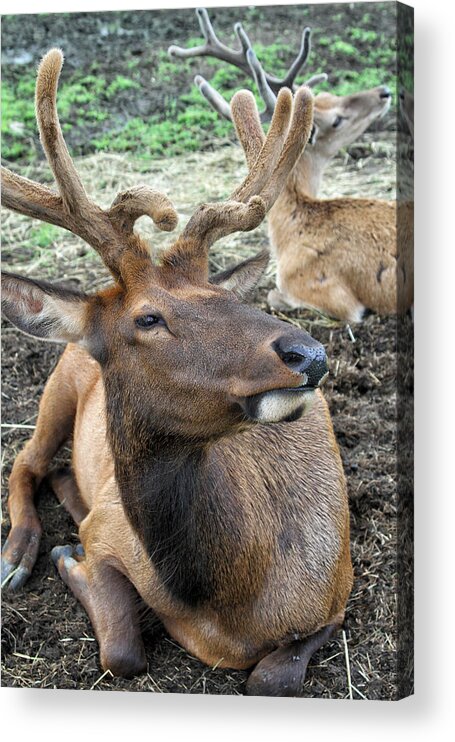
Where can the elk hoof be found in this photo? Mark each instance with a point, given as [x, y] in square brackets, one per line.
[125, 662]
[14, 577]
[61, 552]
[19, 556]
[66, 557]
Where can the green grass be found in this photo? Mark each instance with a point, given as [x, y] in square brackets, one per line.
[44, 235]
[107, 118]
[18, 119]
[362, 35]
[344, 49]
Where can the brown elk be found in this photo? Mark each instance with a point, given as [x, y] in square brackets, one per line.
[338, 255]
[206, 477]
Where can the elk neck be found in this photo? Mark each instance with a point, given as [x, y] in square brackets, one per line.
[179, 500]
[308, 172]
[296, 207]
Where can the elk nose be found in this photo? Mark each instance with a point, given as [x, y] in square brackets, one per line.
[308, 359]
[385, 92]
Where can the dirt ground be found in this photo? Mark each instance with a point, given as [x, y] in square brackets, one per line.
[47, 639]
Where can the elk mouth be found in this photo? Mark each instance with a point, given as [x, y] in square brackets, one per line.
[282, 405]
[279, 405]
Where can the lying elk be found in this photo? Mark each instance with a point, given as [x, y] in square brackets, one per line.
[234, 530]
[338, 255]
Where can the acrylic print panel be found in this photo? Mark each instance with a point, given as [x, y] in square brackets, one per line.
[131, 114]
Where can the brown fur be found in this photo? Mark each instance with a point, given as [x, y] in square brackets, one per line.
[235, 533]
[295, 581]
[347, 268]
[329, 252]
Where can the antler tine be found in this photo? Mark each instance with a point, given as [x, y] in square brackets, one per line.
[206, 27]
[296, 140]
[250, 202]
[26, 196]
[213, 47]
[260, 78]
[316, 79]
[300, 60]
[212, 95]
[242, 36]
[288, 81]
[221, 105]
[269, 84]
[105, 230]
[272, 146]
[248, 126]
[238, 57]
[142, 200]
[68, 181]
[32, 199]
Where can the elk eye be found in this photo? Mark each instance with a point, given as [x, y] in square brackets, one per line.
[337, 121]
[148, 320]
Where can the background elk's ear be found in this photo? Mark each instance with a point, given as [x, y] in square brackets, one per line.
[43, 310]
[243, 278]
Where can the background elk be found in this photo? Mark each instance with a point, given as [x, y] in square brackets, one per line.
[338, 255]
[206, 476]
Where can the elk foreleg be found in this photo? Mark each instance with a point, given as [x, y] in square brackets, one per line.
[66, 490]
[112, 606]
[53, 427]
[282, 672]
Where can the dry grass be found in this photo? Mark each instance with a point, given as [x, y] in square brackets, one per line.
[48, 641]
[188, 180]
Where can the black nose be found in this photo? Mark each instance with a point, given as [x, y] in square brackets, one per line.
[385, 92]
[307, 358]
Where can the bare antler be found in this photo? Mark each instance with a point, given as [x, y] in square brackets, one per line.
[105, 230]
[213, 47]
[270, 160]
[246, 60]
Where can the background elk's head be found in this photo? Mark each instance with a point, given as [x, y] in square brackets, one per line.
[178, 347]
[337, 120]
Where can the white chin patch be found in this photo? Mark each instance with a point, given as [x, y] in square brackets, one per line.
[278, 406]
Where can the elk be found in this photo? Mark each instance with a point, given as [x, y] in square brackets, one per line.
[206, 478]
[337, 255]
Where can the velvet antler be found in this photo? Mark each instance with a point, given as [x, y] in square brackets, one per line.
[108, 231]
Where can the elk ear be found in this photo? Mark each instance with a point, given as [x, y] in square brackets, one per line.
[243, 278]
[40, 309]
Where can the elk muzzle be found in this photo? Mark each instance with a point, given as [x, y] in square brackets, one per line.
[307, 360]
